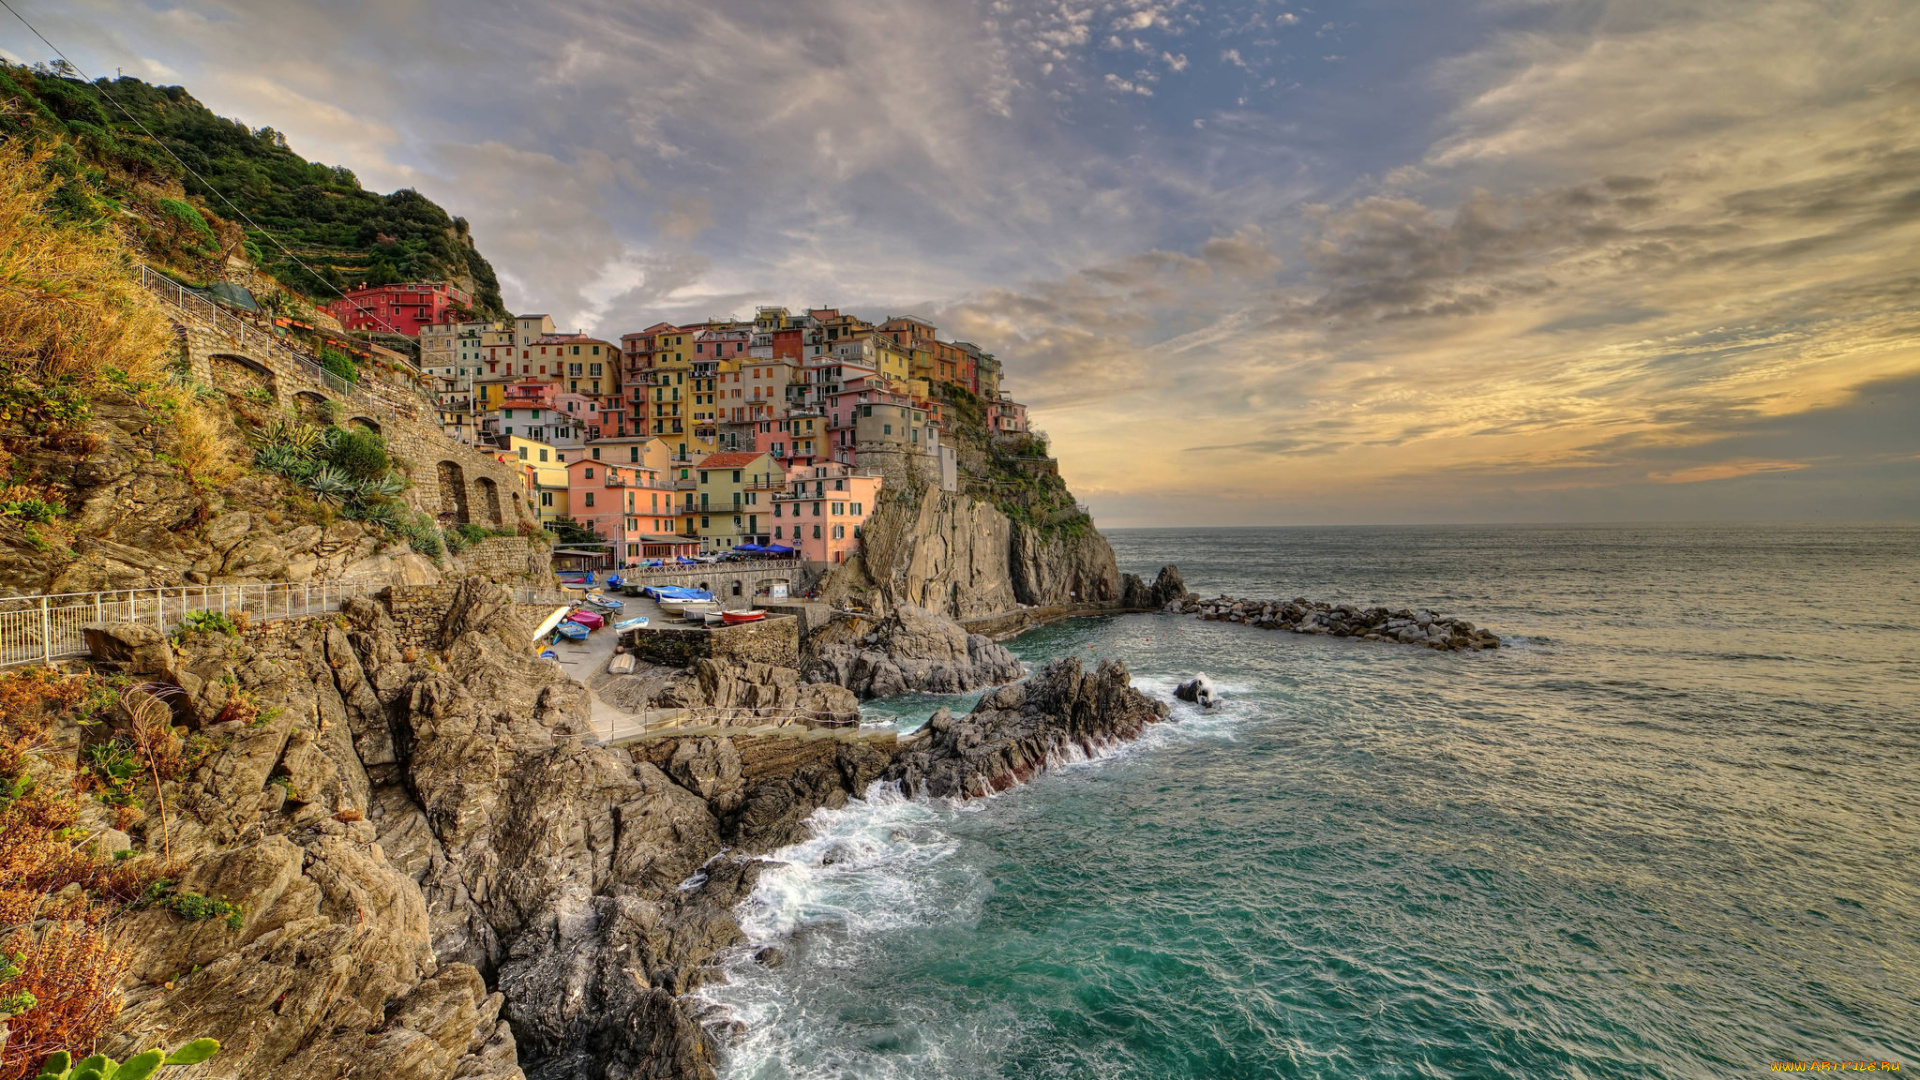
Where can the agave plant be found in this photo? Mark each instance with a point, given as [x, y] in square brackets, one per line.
[385, 487]
[61, 1065]
[379, 513]
[329, 484]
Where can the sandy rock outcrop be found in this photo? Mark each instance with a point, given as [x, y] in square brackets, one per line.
[1062, 712]
[909, 649]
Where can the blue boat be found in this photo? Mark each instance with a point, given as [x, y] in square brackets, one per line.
[631, 624]
[572, 631]
[613, 581]
[607, 602]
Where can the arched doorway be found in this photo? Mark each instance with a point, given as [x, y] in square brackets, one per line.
[489, 499]
[453, 494]
[736, 587]
[312, 407]
[240, 375]
[363, 423]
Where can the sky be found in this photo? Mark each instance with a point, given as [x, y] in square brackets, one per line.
[1250, 262]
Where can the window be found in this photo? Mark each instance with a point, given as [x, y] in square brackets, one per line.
[816, 532]
[839, 509]
[889, 428]
[703, 476]
[633, 453]
[705, 521]
[589, 498]
[856, 511]
[508, 414]
[776, 528]
[589, 472]
[523, 453]
[596, 453]
[736, 476]
[546, 498]
[839, 532]
[543, 455]
[816, 509]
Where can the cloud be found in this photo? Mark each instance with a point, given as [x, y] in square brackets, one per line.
[1503, 260]
[1724, 470]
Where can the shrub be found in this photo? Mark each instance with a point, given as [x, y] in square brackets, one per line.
[362, 455]
[43, 509]
[190, 220]
[339, 363]
[208, 622]
[61, 1066]
[191, 906]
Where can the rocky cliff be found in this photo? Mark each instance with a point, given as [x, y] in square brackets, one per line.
[962, 557]
[402, 829]
[909, 649]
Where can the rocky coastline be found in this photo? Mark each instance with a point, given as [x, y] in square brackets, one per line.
[443, 873]
[1302, 616]
[910, 649]
[1062, 713]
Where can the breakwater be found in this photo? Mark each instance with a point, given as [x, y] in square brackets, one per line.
[1302, 616]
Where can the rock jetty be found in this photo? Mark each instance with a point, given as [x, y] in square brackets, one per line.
[910, 649]
[1303, 616]
[1019, 730]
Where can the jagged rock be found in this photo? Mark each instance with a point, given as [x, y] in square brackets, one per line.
[1167, 587]
[1017, 731]
[1198, 690]
[914, 649]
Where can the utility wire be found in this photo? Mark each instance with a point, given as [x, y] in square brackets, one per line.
[189, 169]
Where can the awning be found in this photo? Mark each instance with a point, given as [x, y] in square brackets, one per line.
[777, 549]
[748, 547]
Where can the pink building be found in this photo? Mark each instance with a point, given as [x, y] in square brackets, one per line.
[1006, 416]
[628, 506]
[823, 511]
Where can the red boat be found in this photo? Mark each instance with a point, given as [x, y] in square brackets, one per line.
[735, 618]
[592, 620]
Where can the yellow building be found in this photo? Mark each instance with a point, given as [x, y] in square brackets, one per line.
[548, 467]
[734, 497]
[893, 360]
[646, 451]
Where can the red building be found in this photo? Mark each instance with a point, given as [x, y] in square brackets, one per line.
[399, 309]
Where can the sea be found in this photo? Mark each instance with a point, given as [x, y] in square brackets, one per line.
[1671, 829]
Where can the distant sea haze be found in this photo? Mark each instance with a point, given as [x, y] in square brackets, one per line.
[1670, 831]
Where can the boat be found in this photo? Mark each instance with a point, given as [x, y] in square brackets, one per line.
[633, 588]
[549, 654]
[621, 664]
[712, 619]
[696, 610]
[575, 577]
[634, 623]
[613, 581]
[735, 618]
[606, 603]
[572, 631]
[592, 620]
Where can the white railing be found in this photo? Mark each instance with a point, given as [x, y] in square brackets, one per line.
[43, 629]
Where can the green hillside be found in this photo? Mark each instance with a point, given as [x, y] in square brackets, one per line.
[347, 234]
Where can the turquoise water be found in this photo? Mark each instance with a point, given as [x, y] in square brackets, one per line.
[1671, 832]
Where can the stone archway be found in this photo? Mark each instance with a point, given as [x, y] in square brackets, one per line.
[312, 407]
[489, 499]
[363, 423]
[242, 375]
[453, 494]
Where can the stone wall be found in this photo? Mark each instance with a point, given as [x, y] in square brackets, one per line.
[774, 640]
[720, 579]
[505, 559]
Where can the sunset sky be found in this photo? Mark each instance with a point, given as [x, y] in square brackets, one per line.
[1250, 263]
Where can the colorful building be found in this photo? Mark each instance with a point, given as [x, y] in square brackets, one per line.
[401, 308]
[546, 467]
[824, 510]
[734, 496]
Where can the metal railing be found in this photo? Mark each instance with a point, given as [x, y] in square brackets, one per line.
[43, 629]
[250, 335]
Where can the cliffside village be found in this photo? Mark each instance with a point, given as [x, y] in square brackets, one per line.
[774, 434]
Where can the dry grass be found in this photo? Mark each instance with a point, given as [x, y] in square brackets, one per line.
[207, 450]
[57, 896]
[68, 309]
